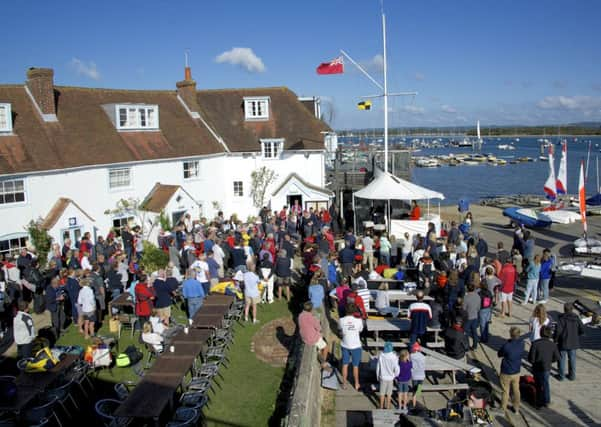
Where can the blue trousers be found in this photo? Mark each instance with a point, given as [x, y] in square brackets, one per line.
[571, 356]
[541, 378]
[484, 317]
[471, 329]
[194, 304]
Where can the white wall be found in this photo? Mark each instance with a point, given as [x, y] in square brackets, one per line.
[89, 187]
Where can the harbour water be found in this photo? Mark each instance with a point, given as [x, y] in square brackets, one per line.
[478, 181]
[474, 182]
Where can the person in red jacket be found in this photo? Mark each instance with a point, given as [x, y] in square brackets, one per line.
[144, 297]
[353, 298]
[415, 213]
[509, 278]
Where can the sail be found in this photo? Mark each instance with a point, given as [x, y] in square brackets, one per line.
[582, 197]
[550, 183]
[478, 130]
[562, 175]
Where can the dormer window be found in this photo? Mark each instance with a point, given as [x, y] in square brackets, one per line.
[256, 108]
[136, 117]
[272, 148]
[6, 121]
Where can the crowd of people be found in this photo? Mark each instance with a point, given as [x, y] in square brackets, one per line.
[467, 285]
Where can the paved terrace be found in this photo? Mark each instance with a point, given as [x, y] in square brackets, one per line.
[573, 403]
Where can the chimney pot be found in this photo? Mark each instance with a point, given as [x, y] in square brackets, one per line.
[40, 82]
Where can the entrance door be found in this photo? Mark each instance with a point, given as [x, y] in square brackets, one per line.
[177, 217]
[290, 200]
[73, 233]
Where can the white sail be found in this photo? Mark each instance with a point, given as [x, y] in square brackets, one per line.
[478, 130]
[549, 187]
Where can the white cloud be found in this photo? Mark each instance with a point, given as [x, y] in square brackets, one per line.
[85, 69]
[244, 57]
[374, 64]
[448, 109]
[579, 103]
[412, 109]
[419, 76]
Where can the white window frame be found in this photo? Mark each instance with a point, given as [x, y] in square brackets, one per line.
[8, 128]
[195, 168]
[10, 238]
[256, 108]
[271, 145]
[239, 192]
[3, 192]
[123, 220]
[120, 187]
[136, 117]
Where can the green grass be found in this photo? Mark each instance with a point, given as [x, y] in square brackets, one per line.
[247, 393]
[246, 396]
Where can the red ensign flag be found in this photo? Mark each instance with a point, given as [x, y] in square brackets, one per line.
[335, 66]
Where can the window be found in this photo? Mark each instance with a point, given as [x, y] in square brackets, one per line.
[119, 223]
[12, 246]
[191, 169]
[12, 191]
[256, 108]
[120, 178]
[238, 189]
[6, 120]
[138, 117]
[272, 148]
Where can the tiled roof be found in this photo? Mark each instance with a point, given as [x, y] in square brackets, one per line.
[57, 210]
[158, 197]
[288, 119]
[84, 134]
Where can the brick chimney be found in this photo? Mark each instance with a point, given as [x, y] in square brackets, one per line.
[186, 90]
[40, 82]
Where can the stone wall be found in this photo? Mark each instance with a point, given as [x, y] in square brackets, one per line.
[304, 407]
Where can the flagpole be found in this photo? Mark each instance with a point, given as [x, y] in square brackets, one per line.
[385, 96]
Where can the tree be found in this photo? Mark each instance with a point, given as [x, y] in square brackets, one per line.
[153, 258]
[41, 240]
[132, 207]
[261, 179]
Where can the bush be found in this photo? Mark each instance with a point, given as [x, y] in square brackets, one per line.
[153, 258]
[40, 239]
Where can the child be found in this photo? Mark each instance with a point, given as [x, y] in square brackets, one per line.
[387, 370]
[418, 371]
[152, 338]
[403, 379]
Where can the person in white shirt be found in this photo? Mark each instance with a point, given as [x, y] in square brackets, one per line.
[539, 319]
[251, 292]
[218, 255]
[23, 330]
[201, 268]
[152, 338]
[351, 327]
[175, 273]
[387, 370]
[85, 262]
[87, 307]
[418, 371]
[368, 251]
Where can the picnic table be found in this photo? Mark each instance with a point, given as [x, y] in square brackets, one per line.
[219, 309]
[201, 320]
[218, 299]
[394, 325]
[24, 395]
[155, 392]
[401, 296]
[374, 284]
[122, 301]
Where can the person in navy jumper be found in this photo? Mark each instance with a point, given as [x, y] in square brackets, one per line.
[420, 315]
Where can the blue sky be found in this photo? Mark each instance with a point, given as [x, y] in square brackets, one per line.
[504, 62]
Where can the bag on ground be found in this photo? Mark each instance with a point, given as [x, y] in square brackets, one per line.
[129, 357]
[42, 361]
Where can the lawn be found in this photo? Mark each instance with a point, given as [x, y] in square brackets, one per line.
[247, 393]
[246, 396]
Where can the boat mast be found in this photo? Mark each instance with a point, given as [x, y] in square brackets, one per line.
[385, 95]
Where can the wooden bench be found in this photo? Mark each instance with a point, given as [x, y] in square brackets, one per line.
[435, 344]
[444, 387]
[372, 343]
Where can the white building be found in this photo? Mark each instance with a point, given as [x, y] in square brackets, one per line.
[68, 155]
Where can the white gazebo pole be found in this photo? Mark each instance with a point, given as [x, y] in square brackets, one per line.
[354, 216]
[389, 223]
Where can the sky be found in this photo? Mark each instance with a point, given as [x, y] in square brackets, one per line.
[500, 62]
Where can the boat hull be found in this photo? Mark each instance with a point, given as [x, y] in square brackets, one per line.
[527, 217]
